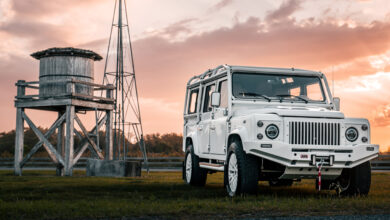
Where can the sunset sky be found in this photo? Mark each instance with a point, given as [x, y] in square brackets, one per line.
[175, 39]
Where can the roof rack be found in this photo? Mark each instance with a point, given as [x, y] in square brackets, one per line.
[209, 73]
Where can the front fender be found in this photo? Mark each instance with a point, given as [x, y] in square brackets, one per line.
[242, 132]
[194, 138]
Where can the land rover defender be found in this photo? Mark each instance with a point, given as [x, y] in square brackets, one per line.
[276, 125]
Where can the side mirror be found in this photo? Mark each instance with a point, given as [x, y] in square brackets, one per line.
[336, 103]
[215, 99]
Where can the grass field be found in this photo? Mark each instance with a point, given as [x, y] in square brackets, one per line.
[39, 195]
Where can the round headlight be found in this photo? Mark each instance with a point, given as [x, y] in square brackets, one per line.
[259, 136]
[364, 127]
[260, 124]
[351, 134]
[272, 131]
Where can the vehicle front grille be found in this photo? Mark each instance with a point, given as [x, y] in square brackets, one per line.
[314, 133]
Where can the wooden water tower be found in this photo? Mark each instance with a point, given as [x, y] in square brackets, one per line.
[66, 85]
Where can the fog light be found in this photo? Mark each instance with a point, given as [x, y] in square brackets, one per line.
[259, 136]
[364, 127]
[260, 124]
[364, 139]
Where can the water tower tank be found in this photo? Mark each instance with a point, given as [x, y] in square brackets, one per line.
[61, 64]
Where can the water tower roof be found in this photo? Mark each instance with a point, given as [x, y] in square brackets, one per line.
[68, 51]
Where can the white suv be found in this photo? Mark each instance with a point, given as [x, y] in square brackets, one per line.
[272, 124]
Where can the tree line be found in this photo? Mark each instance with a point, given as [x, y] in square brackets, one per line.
[157, 145]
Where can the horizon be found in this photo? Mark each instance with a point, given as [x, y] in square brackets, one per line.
[173, 40]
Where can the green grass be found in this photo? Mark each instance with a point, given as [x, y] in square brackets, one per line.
[40, 195]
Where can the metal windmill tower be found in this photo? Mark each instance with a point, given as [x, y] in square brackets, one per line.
[119, 71]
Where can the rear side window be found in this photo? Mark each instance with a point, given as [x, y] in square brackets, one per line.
[207, 102]
[193, 101]
[224, 94]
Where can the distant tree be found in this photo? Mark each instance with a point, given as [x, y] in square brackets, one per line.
[169, 144]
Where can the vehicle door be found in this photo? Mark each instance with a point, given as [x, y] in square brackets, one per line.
[218, 127]
[204, 124]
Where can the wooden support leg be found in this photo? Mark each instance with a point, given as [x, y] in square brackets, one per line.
[109, 137]
[60, 145]
[69, 142]
[19, 141]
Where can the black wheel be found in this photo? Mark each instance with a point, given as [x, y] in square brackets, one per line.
[241, 171]
[355, 181]
[193, 174]
[283, 182]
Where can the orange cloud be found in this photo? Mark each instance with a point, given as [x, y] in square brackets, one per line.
[164, 64]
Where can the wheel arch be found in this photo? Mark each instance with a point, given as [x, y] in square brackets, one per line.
[191, 139]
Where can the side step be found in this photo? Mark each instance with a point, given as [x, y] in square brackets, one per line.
[211, 166]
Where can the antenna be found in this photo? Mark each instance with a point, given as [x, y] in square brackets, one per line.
[332, 82]
[119, 70]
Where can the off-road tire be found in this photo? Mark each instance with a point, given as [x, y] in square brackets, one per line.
[248, 171]
[198, 175]
[279, 183]
[359, 180]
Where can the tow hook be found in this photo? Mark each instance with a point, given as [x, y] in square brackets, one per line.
[319, 167]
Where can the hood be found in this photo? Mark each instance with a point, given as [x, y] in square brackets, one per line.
[290, 111]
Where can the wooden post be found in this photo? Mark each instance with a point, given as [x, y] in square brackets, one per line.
[109, 134]
[60, 144]
[69, 142]
[19, 132]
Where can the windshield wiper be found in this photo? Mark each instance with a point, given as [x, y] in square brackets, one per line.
[255, 95]
[294, 96]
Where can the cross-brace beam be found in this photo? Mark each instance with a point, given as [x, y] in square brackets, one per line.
[87, 141]
[36, 147]
[90, 141]
[84, 142]
[53, 154]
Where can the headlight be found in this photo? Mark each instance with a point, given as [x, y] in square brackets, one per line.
[351, 134]
[272, 131]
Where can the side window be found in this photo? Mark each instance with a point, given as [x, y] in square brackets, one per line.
[223, 89]
[207, 101]
[193, 101]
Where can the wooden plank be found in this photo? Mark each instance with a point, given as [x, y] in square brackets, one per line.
[51, 130]
[93, 84]
[109, 133]
[24, 83]
[42, 102]
[27, 96]
[61, 142]
[92, 105]
[69, 142]
[98, 98]
[84, 141]
[53, 154]
[62, 102]
[19, 142]
[78, 134]
[89, 140]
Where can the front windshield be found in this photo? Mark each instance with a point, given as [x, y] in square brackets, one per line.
[278, 87]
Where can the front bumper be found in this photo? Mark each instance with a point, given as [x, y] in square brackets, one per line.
[298, 158]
